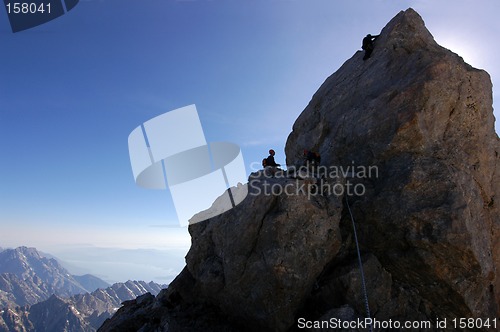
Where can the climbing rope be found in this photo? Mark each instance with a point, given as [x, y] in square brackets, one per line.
[363, 283]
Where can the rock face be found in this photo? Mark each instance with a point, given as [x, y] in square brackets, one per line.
[420, 121]
[262, 272]
[424, 118]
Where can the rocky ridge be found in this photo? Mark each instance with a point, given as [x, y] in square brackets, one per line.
[428, 219]
[38, 294]
[28, 277]
[81, 312]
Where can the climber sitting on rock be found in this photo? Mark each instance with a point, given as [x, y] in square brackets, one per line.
[269, 164]
[368, 45]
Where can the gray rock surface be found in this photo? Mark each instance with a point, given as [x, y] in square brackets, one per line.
[255, 257]
[428, 219]
[424, 117]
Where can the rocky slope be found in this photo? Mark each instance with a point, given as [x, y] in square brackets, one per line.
[410, 132]
[82, 312]
[38, 294]
[28, 277]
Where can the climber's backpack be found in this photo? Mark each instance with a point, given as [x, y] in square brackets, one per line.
[264, 162]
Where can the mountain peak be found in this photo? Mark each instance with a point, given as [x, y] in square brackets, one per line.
[29, 277]
[406, 31]
[22, 252]
[37, 297]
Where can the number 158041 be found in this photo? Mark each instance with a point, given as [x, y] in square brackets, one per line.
[27, 8]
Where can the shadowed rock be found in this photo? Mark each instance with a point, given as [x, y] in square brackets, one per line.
[424, 117]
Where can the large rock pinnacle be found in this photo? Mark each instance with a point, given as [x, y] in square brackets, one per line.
[424, 117]
[428, 218]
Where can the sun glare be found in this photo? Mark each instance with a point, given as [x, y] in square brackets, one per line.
[469, 52]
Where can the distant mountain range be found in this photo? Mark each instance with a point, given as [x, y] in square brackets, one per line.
[38, 294]
[82, 312]
[27, 277]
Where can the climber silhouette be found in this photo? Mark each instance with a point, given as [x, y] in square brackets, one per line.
[270, 165]
[368, 45]
[270, 160]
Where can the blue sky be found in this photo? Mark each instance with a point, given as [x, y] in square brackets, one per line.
[73, 89]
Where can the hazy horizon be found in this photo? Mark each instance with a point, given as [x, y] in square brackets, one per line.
[111, 264]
